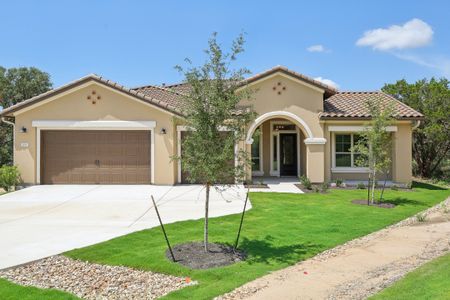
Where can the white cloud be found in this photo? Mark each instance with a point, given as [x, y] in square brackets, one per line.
[441, 64]
[327, 82]
[413, 34]
[317, 48]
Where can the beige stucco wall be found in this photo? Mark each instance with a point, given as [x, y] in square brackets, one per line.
[401, 169]
[285, 94]
[402, 157]
[112, 106]
[296, 97]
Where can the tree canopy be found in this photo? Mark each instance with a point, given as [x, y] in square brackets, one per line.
[216, 122]
[16, 85]
[431, 142]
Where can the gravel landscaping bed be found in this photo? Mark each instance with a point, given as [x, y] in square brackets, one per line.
[94, 281]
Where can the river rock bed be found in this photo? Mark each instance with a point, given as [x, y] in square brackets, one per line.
[94, 281]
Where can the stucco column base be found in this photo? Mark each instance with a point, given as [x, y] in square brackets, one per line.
[315, 166]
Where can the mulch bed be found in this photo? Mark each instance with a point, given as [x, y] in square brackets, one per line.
[377, 204]
[193, 255]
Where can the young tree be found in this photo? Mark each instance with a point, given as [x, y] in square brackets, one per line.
[16, 85]
[375, 144]
[211, 107]
[431, 143]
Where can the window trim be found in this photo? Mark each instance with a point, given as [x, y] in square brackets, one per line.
[351, 169]
[259, 171]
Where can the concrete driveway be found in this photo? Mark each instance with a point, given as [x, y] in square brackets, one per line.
[41, 221]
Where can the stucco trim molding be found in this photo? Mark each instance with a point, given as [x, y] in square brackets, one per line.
[93, 125]
[97, 125]
[315, 141]
[339, 128]
[274, 114]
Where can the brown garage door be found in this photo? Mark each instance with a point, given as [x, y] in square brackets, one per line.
[95, 157]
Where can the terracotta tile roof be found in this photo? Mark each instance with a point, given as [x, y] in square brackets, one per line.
[167, 95]
[337, 105]
[161, 103]
[352, 105]
[182, 88]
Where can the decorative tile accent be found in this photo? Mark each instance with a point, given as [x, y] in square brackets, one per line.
[93, 97]
[279, 88]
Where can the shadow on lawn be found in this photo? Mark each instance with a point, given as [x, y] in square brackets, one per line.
[264, 251]
[403, 201]
[427, 186]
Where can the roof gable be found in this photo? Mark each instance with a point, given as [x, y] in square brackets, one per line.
[54, 93]
[328, 90]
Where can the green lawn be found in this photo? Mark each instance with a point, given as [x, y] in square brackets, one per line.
[431, 281]
[11, 291]
[279, 231]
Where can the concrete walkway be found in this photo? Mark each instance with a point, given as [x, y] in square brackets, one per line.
[278, 185]
[41, 221]
[359, 268]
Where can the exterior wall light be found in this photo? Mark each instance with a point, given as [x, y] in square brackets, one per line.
[23, 129]
[163, 131]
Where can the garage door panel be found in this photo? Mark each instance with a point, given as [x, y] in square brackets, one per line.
[104, 157]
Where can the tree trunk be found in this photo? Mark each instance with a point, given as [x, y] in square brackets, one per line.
[384, 186]
[368, 189]
[205, 237]
[374, 181]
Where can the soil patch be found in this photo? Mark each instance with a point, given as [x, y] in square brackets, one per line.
[193, 255]
[377, 204]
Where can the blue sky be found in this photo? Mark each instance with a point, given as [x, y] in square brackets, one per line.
[351, 43]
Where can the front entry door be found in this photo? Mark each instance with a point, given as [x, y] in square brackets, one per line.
[288, 154]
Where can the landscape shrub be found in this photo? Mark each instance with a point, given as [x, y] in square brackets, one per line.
[361, 186]
[9, 177]
[305, 182]
[324, 187]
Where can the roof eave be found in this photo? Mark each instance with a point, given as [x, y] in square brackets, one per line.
[92, 77]
[347, 118]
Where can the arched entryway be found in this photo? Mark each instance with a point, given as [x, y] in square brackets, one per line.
[278, 143]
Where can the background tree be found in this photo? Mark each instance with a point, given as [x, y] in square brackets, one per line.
[431, 142]
[16, 85]
[374, 146]
[216, 90]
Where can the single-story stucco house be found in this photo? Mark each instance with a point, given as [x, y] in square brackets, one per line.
[94, 131]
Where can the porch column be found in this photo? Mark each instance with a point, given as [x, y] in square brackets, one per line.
[315, 157]
[402, 154]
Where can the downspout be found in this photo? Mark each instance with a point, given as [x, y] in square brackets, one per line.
[416, 126]
[4, 120]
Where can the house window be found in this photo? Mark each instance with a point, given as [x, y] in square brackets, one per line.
[256, 151]
[344, 156]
